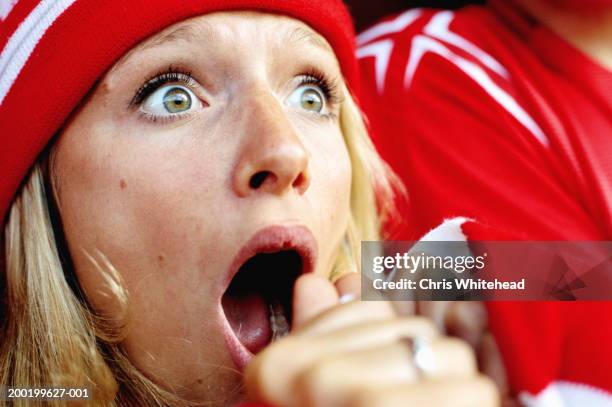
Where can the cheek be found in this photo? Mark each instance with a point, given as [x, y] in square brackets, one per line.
[155, 208]
[146, 204]
[339, 176]
[331, 183]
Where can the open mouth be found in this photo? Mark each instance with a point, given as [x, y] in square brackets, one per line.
[257, 303]
[257, 300]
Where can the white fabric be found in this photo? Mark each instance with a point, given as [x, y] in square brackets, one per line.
[448, 231]
[438, 28]
[5, 8]
[24, 40]
[567, 394]
[422, 44]
[399, 23]
[381, 51]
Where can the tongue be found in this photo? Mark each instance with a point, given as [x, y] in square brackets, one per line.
[249, 319]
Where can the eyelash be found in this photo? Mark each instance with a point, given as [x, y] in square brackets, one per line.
[171, 75]
[314, 77]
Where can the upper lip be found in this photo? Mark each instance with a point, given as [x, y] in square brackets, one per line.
[274, 239]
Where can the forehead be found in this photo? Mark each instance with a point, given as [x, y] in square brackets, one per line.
[242, 25]
[225, 31]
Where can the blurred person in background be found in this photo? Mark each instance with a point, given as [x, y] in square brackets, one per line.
[502, 113]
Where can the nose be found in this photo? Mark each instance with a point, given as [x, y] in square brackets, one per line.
[272, 158]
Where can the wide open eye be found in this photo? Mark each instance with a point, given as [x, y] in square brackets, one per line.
[309, 98]
[170, 100]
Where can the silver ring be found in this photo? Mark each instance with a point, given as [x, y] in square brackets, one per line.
[423, 358]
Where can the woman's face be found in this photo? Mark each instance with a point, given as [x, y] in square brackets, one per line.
[211, 142]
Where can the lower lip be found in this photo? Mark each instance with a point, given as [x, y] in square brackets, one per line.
[239, 354]
[264, 240]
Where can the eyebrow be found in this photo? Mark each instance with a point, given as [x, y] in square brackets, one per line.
[184, 32]
[301, 34]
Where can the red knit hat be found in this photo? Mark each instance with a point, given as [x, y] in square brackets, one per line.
[53, 51]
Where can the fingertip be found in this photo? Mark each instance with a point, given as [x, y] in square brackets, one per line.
[312, 295]
[349, 285]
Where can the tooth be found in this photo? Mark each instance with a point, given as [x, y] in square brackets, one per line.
[278, 321]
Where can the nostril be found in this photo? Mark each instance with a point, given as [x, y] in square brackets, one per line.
[299, 181]
[259, 178]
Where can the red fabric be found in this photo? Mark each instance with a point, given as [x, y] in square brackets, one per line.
[461, 151]
[89, 37]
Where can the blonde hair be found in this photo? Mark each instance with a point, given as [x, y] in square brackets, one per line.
[52, 337]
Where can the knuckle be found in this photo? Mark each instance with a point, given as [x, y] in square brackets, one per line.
[261, 374]
[380, 309]
[318, 383]
[461, 352]
[488, 390]
[317, 375]
[459, 346]
[420, 326]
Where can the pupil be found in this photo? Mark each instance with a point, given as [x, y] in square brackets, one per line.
[312, 100]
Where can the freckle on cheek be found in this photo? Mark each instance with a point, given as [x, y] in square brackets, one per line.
[161, 258]
[123, 184]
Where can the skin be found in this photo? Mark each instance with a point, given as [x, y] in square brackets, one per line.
[588, 27]
[169, 202]
[585, 25]
[357, 354]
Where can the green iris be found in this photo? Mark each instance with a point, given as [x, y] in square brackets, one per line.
[177, 100]
[311, 100]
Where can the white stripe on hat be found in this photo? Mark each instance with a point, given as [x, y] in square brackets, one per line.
[5, 8]
[23, 41]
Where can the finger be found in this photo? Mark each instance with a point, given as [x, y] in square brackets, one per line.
[444, 357]
[349, 286]
[466, 320]
[404, 308]
[464, 392]
[297, 353]
[329, 380]
[492, 365]
[312, 294]
[344, 315]
[436, 311]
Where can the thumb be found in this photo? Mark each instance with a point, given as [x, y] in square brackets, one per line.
[312, 295]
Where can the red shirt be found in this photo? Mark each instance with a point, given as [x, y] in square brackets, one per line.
[486, 114]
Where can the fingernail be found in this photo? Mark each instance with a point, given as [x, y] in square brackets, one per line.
[347, 298]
